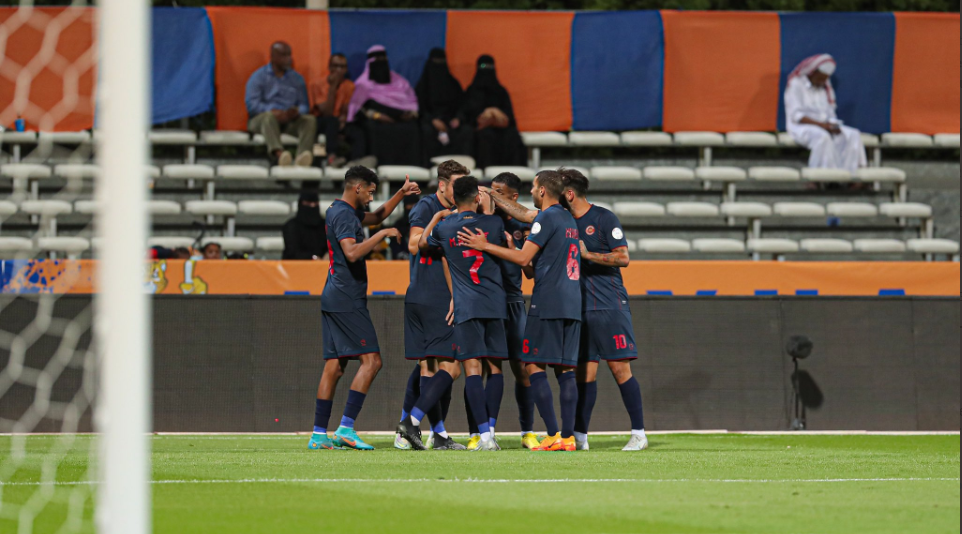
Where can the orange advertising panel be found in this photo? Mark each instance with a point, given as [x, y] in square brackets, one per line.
[925, 77]
[721, 71]
[242, 41]
[48, 67]
[532, 54]
[746, 278]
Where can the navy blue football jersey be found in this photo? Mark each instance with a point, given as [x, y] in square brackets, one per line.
[511, 272]
[346, 285]
[602, 287]
[557, 266]
[427, 285]
[475, 276]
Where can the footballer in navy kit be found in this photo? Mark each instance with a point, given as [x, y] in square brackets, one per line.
[553, 329]
[606, 324]
[347, 329]
[427, 334]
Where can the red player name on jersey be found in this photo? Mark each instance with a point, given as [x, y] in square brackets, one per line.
[455, 242]
[571, 233]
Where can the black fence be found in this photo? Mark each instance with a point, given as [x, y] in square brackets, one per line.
[242, 364]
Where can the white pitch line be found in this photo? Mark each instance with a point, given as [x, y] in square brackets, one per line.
[501, 481]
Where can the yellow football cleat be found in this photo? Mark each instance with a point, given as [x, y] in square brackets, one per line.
[550, 443]
[529, 440]
[568, 444]
[473, 441]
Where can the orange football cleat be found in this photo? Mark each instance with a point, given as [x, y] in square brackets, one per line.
[550, 443]
[568, 444]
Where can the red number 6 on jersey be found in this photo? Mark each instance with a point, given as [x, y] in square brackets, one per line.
[574, 265]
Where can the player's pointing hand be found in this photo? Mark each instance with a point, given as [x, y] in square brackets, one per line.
[409, 187]
[470, 239]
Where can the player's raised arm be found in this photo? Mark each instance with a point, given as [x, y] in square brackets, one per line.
[511, 207]
[478, 241]
[379, 215]
[425, 235]
[616, 258]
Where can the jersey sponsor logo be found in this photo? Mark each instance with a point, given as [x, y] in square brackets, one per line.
[617, 233]
[535, 228]
[590, 230]
[518, 235]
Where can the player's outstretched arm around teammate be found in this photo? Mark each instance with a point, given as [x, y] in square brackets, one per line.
[476, 240]
[511, 207]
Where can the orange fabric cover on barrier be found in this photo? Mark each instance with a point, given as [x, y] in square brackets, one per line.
[532, 54]
[721, 71]
[242, 41]
[60, 95]
[925, 77]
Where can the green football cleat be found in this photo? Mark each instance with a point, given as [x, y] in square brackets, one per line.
[347, 437]
[322, 442]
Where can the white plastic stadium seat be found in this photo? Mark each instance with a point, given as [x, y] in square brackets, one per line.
[745, 209]
[798, 209]
[905, 209]
[718, 245]
[163, 207]
[593, 139]
[463, 159]
[15, 137]
[946, 140]
[64, 138]
[786, 139]
[73, 247]
[932, 246]
[182, 171]
[720, 174]
[541, 139]
[7, 209]
[14, 245]
[638, 209]
[826, 175]
[396, 173]
[878, 245]
[880, 174]
[20, 171]
[270, 244]
[672, 174]
[168, 241]
[772, 245]
[851, 209]
[263, 207]
[869, 140]
[692, 209]
[831, 246]
[230, 244]
[616, 173]
[286, 139]
[582, 170]
[335, 173]
[664, 245]
[646, 139]
[242, 172]
[211, 207]
[699, 138]
[526, 174]
[77, 171]
[225, 137]
[631, 245]
[296, 173]
[172, 137]
[86, 207]
[906, 140]
[774, 174]
[751, 139]
[49, 208]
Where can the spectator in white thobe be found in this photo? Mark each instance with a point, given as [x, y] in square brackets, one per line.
[810, 114]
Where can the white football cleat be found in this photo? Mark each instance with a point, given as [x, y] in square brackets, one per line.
[636, 443]
[401, 443]
[581, 445]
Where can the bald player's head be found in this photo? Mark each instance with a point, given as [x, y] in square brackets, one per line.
[281, 60]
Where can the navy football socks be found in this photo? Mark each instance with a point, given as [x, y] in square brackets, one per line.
[411, 392]
[541, 392]
[322, 414]
[587, 395]
[493, 392]
[445, 403]
[472, 424]
[474, 390]
[631, 396]
[569, 403]
[355, 401]
[525, 401]
[430, 394]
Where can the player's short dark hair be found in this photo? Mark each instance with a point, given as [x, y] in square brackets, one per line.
[551, 181]
[465, 189]
[360, 173]
[573, 179]
[449, 168]
[509, 179]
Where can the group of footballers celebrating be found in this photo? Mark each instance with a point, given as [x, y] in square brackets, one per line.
[464, 309]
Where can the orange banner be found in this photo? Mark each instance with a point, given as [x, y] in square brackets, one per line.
[48, 67]
[925, 89]
[238, 277]
[532, 55]
[242, 41]
[721, 71]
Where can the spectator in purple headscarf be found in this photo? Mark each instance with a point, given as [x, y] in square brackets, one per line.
[382, 114]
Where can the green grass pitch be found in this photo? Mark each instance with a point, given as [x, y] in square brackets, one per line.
[683, 483]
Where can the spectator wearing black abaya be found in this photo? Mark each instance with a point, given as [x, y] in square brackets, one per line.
[487, 107]
[304, 235]
[440, 97]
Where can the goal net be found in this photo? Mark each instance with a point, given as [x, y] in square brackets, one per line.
[74, 338]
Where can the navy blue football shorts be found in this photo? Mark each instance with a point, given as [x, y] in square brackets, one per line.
[348, 334]
[607, 335]
[427, 333]
[551, 341]
[481, 338]
[514, 328]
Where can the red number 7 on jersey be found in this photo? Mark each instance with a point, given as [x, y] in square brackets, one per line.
[476, 266]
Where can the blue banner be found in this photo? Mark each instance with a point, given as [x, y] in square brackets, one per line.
[863, 45]
[617, 64]
[408, 36]
[182, 63]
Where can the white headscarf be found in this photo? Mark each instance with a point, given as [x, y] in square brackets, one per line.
[821, 62]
